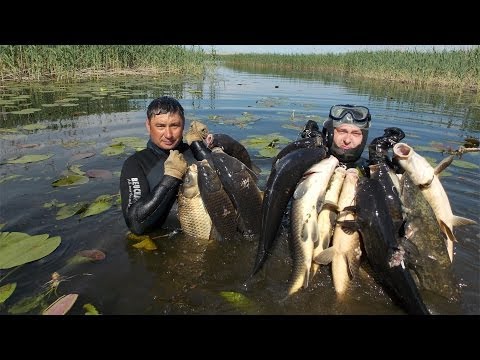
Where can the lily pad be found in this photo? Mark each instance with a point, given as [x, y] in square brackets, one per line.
[29, 159]
[146, 244]
[102, 203]
[82, 156]
[62, 305]
[113, 150]
[27, 304]
[70, 180]
[18, 248]
[6, 291]
[72, 209]
[8, 177]
[90, 309]
[239, 301]
[99, 173]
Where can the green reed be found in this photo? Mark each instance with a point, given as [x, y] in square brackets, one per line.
[70, 62]
[458, 69]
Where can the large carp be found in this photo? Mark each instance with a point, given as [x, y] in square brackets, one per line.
[310, 142]
[424, 176]
[192, 214]
[432, 263]
[307, 200]
[281, 184]
[384, 249]
[345, 252]
[239, 183]
[217, 202]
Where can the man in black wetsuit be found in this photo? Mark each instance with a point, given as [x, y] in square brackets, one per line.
[150, 178]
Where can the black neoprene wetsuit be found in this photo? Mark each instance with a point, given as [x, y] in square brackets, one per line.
[147, 194]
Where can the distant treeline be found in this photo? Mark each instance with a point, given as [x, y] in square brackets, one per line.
[458, 69]
[69, 62]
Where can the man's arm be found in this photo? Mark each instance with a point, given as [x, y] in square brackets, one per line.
[143, 209]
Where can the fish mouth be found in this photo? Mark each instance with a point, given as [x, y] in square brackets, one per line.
[402, 150]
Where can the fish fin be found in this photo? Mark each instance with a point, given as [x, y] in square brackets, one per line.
[325, 257]
[442, 165]
[410, 248]
[352, 209]
[306, 279]
[459, 220]
[329, 205]
[350, 270]
[348, 226]
[447, 231]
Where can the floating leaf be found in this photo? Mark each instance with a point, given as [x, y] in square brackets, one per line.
[464, 164]
[146, 244]
[27, 304]
[13, 137]
[102, 203]
[92, 254]
[72, 209]
[70, 180]
[29, 159]
[268, 152]
[76, 169]
[99, 173]
[8, 177]
[130, 141]
[62, 305]
[90, 309]
[28, 146]
[82, 156]
[6, 291]
[239, 301]
[113, 150]
[18, 248]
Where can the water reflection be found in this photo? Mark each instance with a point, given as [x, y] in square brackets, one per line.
[184, 276]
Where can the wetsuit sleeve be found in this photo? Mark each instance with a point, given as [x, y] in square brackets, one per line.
[200, 150]
[143, 209]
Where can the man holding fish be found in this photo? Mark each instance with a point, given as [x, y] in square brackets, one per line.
[150, 178]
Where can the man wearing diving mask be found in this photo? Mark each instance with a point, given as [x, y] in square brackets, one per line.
[345, 133]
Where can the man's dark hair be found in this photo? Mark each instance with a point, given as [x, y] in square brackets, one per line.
[165, 105]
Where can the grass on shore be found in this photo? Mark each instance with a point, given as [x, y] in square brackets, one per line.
[459, 69]
[73, 62]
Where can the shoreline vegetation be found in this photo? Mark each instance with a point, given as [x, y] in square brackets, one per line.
[458, 70]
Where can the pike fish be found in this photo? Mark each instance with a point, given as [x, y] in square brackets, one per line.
[239, 183]
[217, 202]
[432, 265]
[192, 214]
[384, 249]
[280, 186]
[426, 177]
[308, 198]
[345, 252]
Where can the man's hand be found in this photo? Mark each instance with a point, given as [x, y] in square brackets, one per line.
[197, 132]
[175, 165]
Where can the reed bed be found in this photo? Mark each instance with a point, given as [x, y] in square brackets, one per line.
[458, 69]
[72, 62]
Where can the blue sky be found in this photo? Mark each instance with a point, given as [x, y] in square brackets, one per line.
[319, 49]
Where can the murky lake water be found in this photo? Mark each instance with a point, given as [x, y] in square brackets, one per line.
[184, 276]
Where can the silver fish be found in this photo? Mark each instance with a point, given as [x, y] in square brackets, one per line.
[307, 200]
[424, 176]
